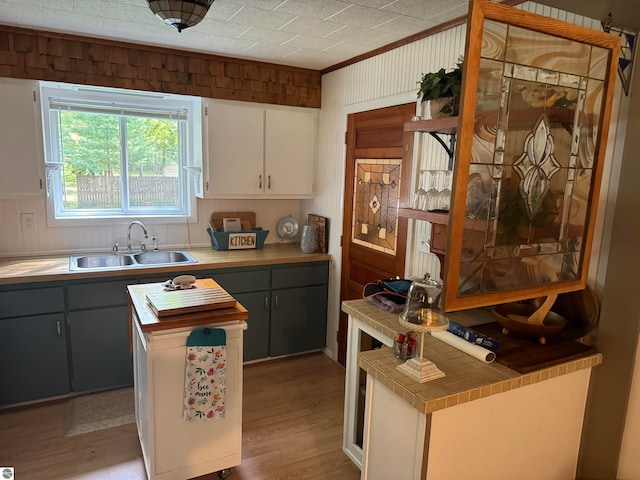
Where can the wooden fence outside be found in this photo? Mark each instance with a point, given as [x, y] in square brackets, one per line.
[104, 191]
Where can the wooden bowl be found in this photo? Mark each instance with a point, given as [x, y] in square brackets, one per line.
[513, 318]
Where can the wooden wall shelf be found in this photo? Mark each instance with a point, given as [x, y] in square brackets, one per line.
[448, 125]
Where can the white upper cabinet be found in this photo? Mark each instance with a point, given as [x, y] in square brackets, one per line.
[258, 151]
[290, 152]
[21, 160]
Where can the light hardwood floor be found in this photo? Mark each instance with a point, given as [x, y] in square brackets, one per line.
[292, 429]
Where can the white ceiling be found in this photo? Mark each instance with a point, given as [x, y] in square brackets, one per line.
[312, 34]
[305, 33]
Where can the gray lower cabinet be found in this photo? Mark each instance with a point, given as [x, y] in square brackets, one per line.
[287, 307]
[33, 345]
[99, 335]
[298, 320]
[256, 337]
[100, 356]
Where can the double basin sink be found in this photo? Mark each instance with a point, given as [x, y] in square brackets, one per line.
[128, 260]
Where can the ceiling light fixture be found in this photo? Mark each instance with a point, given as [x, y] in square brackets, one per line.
[180, 13]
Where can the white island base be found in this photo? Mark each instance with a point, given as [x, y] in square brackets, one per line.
[532, 432]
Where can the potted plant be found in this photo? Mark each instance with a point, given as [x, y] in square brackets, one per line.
[442, 90]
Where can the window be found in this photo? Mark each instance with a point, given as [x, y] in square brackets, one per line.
[119, 153]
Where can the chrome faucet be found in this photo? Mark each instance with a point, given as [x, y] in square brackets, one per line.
[143, 247]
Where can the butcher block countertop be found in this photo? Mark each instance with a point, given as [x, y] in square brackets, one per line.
[149, 322]
[54, 268]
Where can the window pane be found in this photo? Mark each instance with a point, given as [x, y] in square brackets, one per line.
[153, 162]
[90, 150]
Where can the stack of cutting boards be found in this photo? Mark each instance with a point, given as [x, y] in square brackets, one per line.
[206, 303]
[179, 302]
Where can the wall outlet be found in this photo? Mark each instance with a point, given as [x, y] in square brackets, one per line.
[28, 222]
[423, 243]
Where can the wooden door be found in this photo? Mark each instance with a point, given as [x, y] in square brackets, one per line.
[373, 235]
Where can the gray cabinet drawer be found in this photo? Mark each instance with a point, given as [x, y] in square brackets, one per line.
[99, 294]
[240, 282]
[19, 303]
[300, 276]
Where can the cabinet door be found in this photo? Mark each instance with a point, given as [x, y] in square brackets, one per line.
[33, 358]
[290, 152]
[256, 336]
[298, 319]
[236, 150]
[21, 140]
[100, 355]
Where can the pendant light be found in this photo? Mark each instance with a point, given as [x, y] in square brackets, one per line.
[180, 13]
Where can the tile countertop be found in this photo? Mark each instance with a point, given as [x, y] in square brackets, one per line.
[466, 380]
[52, 268]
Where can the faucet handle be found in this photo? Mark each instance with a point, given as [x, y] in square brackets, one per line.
[114, 249]
[155, 243]
[143, 247]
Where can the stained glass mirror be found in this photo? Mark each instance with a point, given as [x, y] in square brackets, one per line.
[535, 110]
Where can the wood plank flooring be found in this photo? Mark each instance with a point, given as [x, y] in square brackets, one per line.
[292, 429]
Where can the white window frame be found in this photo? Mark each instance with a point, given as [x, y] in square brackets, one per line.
[191, 149]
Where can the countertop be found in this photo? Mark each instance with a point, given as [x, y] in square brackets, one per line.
[466, 380]
[53, 268]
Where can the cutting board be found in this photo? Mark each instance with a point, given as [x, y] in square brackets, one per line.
[247, 220]
[178, 302]
[525, 354]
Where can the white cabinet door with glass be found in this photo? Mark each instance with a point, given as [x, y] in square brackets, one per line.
[258, 151]
[20, 138]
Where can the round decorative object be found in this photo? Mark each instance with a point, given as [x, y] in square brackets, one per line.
[180, 13]
[287, 228]
[309, 239]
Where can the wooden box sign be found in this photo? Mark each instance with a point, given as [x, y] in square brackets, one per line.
[239, 241]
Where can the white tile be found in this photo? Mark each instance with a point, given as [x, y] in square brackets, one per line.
[313, 8]
[264, 18]
[372, 3]
[274, 37]
[13, 13]
[405, 26]
[421, 8]
[311, 26]
[263, 4]
[222, 11]
[224, 29]
[311, 43]
[354, 35]
[364, 17]
[264, 50]
[228, 45]
[455, 12]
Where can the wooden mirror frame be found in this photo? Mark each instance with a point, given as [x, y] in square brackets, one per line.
[479, 11]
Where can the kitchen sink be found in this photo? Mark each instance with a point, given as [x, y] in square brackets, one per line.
[163, 257]
[129, 260]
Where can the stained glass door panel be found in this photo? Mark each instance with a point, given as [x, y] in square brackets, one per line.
[530, 166]
[375, 204]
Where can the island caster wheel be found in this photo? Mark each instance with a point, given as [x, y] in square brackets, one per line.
[223, 473]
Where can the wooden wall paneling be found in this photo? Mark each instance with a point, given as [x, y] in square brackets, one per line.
[40, 55]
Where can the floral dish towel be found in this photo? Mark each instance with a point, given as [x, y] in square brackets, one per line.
[205, 381]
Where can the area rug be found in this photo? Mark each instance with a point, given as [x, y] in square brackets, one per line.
[97, 411]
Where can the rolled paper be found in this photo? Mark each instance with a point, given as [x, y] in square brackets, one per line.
[476, 351]
[470, 335]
